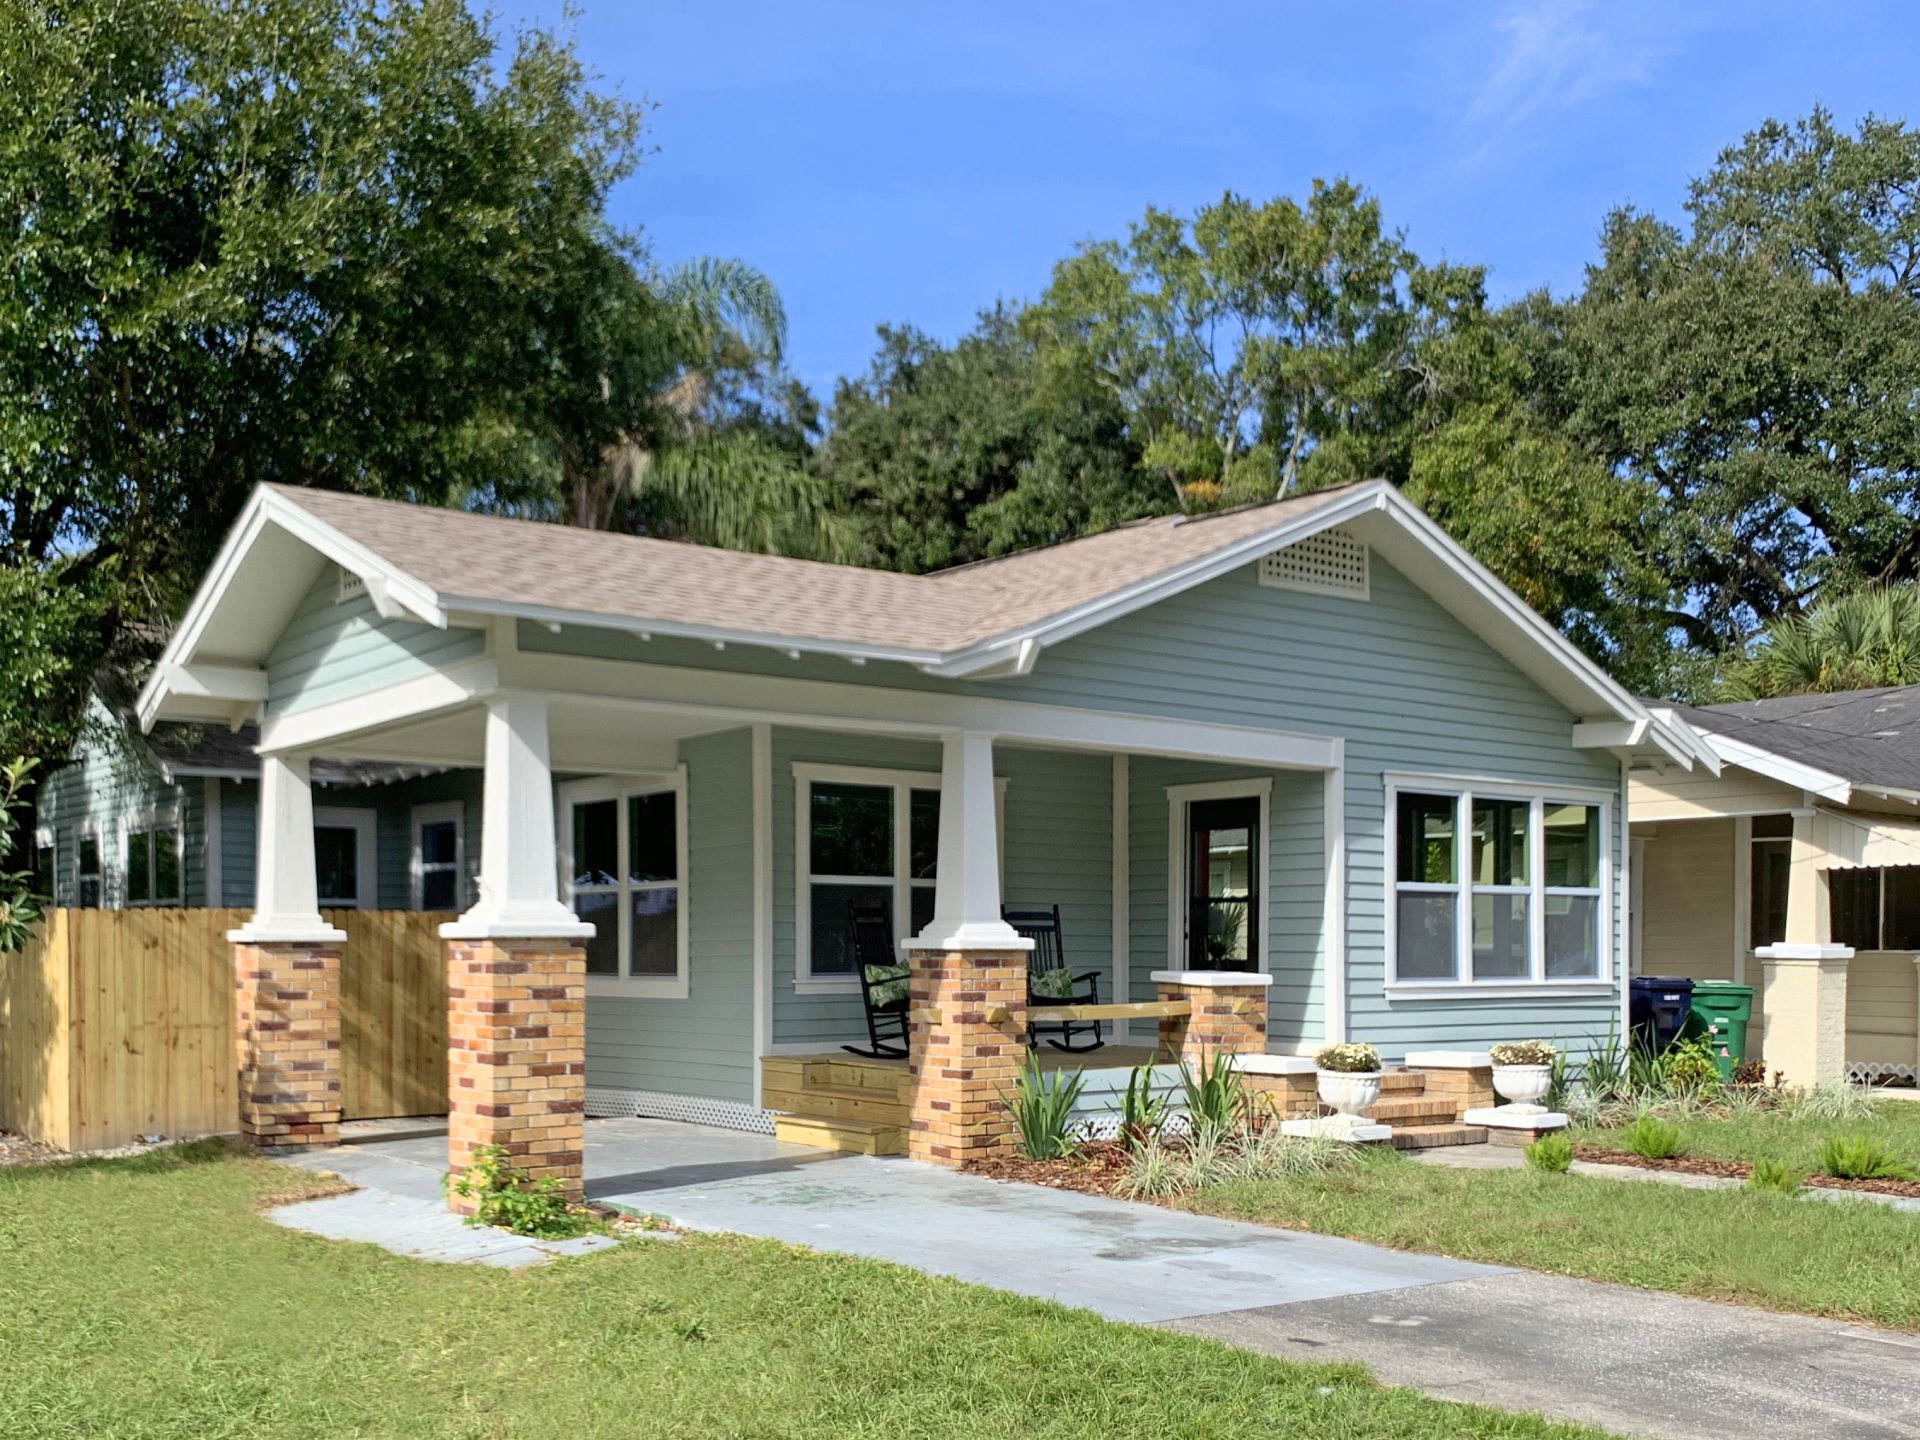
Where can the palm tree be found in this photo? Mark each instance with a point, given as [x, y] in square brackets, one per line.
[1855, 642]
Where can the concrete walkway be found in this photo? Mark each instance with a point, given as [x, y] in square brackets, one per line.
[1632, 1361]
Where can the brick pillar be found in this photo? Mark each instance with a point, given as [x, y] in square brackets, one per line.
[967, 1042]
[516, 1054]
[287, 1017]
[1805, 1012]
[1229, 1013]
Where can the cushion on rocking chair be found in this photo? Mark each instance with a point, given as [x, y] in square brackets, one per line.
[1051, 985]
[887, 985]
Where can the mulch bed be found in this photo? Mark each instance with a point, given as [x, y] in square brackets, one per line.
[1094, 1171]
[1736, 1170]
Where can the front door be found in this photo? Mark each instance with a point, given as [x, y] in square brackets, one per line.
[1223, 886]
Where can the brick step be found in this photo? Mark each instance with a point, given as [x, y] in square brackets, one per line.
[1395, 1082]
[1416, 1110]
[1429, 1137]
[858, 1137]
[833, 1103]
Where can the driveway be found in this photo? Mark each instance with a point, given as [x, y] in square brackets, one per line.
[1632, 1361]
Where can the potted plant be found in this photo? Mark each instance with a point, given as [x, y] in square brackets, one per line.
[1348, 1077]
[1522, 1071]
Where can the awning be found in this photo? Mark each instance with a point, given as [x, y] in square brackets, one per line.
[1852, 841]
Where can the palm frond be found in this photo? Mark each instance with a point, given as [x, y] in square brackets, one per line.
[721, 301]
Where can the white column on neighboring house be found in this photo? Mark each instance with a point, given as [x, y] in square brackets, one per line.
[966, 892]
[286, 891]
[1805, 1009]
[519, 858]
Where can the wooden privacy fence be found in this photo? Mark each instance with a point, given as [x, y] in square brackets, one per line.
[120, 1023]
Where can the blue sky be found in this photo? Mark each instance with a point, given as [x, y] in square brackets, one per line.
[909, 162]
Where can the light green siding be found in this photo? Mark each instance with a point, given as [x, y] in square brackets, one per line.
[334, 649]
[702, 1045]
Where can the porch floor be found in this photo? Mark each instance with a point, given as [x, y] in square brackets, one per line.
[1107, 1057]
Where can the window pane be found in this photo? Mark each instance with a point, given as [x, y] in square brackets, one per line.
[596, 843]
[90, 855]
[651, 851]
[832, 930]
[166, 865]
[1424, 936]
[1768, 916]
[1426, 839]
[1900, 926]
[335, 850]
[1773, 827]
[137, 891]
[1573, 937]
[1573, 846]
[601, 910]
[920, 902]
[656, 933]
[852, 830]
[1855, 897]
[43, 871]
[1500, 842]
[439, 889]
[923, 833]
[1500, 937]
[439, 842]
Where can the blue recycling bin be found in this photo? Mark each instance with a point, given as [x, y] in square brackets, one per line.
[1657, 1008]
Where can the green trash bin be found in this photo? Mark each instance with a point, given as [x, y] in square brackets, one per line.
[1721, 1011]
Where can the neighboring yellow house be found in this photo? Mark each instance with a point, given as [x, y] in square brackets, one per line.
[1795, 870]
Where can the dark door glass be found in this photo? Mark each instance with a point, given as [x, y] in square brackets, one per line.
[1223, 884]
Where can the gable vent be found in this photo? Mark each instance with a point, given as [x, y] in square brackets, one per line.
[1330, 563]
[351, 586]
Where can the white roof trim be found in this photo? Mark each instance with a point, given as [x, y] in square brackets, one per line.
[1814, 781]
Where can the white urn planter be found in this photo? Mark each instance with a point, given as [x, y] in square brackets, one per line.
[1346, 1093]
[1523, 1086]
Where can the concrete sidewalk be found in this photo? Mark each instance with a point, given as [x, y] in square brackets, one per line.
[1632, 1361]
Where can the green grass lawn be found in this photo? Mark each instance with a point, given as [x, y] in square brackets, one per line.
[1847, 1259]
[1792, 1139]
[147, 1298]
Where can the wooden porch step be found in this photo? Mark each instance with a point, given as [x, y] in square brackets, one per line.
[837, 1103]
[1430, 1137]
[858, 1137]
[1413, 1110]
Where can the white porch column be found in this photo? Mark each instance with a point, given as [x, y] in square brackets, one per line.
[966, 893]
[286, 892]
[519, 859]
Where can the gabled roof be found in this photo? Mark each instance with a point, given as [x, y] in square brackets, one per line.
[1863, 739]
[994, 617]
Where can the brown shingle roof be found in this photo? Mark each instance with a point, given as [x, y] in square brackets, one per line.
[631, 580]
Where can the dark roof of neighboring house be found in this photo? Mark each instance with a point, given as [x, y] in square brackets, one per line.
[1866, 737]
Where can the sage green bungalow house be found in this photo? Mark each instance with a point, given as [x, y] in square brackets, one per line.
[1311, 742]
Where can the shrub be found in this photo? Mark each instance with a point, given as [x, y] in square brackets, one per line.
[1604, 1075]
[1688, 1067]
[1522, 1052]
[1169, 1165]
[1215, 1093]
[1750, 1074]
[1042, 1105]
[1855, 1157]
[1775, 1175]
[1653, 1138]
[509, 1198]
[1353, 1058]
[1830, 1102]
[1552, 1153]
[1143, 1114]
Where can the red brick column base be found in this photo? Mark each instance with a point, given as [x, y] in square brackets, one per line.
[517, 1055]
[287, 1014]
[967, 1039]
[1229, 1013]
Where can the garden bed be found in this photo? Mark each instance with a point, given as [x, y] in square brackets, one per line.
[1735, 1170]
[1096, 1170]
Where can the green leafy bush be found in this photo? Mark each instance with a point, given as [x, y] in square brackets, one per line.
[1844, 1101]
[19, 905]
[1652, 1138]
[1172, 1165]
[1143, 1114]
[1552, 1153]
[509, 1198]
[1856, 1157]
[1215, 1093]
[1042, 1105]
[1353, 1058]
[1776, 1175]
[1688, 1067]
[1522, 1052]
[1604, 1074]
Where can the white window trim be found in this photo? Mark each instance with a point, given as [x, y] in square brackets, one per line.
[366, 870]
[620, 789]
[807, 774]
[1463, 788]
[1179, 797]
[149, 821]
[438, 813]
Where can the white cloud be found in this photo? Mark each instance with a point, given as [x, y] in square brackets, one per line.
[1560, 54]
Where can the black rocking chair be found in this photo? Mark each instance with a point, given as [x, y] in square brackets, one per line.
[1050, 983]
[883, 985]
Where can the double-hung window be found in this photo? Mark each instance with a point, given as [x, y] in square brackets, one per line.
[439, 856]
[86, 871]
[1493, 886]
[151, 851]
[624, 858]
[343, 858]
[44, 855]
